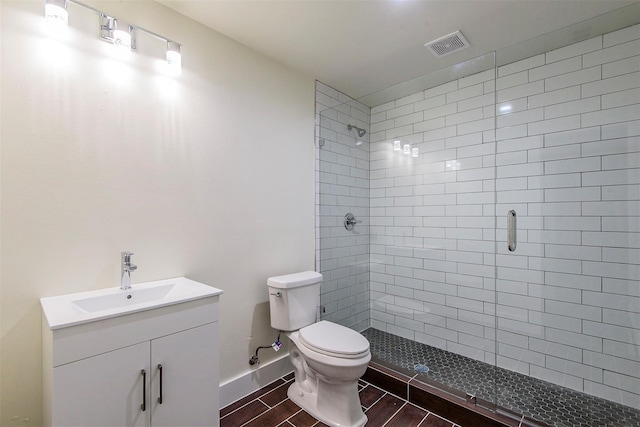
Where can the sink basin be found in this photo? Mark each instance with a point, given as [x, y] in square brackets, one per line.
[124, 298]
[84, 307]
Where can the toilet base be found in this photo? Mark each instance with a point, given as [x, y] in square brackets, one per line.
[338, 405]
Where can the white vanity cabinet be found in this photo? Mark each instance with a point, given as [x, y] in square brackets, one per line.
[151, 368]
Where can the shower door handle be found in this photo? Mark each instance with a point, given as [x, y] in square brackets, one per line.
[512, 240]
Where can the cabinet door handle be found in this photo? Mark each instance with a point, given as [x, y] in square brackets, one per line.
[144, 390]
[160, 398]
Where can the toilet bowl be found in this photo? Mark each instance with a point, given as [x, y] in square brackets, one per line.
[327, 358]
[326, 376]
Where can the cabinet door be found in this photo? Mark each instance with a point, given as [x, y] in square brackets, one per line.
[190, 395]
[103, 390]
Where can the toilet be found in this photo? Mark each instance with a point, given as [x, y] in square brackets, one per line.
[328, 359]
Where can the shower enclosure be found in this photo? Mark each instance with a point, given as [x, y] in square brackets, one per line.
[495, 223]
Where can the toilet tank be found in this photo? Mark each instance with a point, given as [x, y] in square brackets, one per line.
[293, 300]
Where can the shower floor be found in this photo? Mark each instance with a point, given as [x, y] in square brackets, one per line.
[519, 394]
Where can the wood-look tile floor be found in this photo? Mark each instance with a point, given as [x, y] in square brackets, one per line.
[270, 407]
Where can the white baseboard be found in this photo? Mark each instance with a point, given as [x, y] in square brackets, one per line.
[245, 384]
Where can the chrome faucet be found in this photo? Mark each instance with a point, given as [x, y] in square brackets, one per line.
[125, 270]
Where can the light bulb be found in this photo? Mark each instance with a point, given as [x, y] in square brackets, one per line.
[414, 152]
[122, 34]
[396, 145]
[122, 39]
[406, 148]
[55, 12]
[174, 57]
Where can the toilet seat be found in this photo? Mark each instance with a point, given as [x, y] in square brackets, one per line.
[334, 340]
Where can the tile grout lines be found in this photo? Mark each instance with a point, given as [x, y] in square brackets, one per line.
[259, 399]
[288, 421]
[406, 402]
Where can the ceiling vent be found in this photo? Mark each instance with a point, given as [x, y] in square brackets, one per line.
[448, 44]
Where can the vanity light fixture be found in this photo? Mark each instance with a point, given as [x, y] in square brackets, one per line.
[414, 152]
[406, 148]
[113, 30]
[396, 145]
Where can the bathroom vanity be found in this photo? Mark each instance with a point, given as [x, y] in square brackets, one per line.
[147, 356]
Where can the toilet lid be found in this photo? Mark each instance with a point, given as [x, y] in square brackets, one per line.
[334, 340]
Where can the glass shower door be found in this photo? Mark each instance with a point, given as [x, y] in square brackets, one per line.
[568, 164]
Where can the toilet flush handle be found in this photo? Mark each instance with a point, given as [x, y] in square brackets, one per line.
[277, 294]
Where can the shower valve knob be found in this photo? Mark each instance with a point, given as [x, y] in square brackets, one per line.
[350, 221]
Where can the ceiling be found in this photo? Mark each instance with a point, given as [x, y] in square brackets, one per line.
[363, 46]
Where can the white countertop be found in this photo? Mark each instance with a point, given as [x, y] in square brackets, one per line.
[67, 310]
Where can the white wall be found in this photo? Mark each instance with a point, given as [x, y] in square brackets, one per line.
[210, 176]
[566, 159]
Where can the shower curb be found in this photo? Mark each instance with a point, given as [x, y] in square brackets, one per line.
[432, 399]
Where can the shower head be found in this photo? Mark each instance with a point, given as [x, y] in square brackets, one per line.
[360, 131]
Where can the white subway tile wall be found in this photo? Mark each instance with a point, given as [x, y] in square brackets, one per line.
[342, 186]
[432, 236]
[559, 142]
